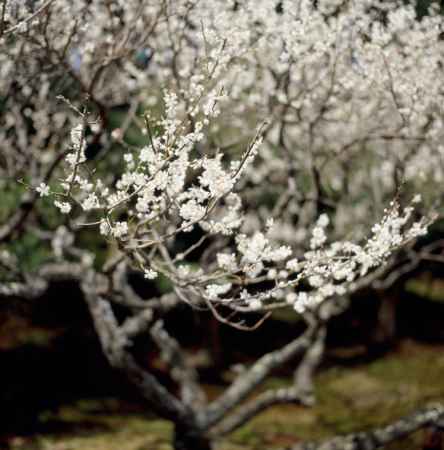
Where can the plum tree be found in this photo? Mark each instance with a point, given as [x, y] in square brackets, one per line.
[270, 155]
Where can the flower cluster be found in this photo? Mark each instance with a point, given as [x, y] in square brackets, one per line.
[350, 102]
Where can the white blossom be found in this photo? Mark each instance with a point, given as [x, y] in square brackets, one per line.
[43, 189]
[297, 200]
[150, 274]
[64, 207]
[227, 261]
[120, 229]
[216, 290]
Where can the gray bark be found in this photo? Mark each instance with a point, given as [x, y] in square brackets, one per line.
[378, 438]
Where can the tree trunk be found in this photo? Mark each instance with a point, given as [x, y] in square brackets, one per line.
[385, 329]
[189, 439]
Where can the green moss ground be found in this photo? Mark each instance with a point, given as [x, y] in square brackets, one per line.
[349, 399]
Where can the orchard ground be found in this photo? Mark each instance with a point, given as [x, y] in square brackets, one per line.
[350, 398]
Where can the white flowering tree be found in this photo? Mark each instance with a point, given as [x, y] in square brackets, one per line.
[283, 143]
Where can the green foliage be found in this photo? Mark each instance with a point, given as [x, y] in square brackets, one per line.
[30, 251]
[11, 192]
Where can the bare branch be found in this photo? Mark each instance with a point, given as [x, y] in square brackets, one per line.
[379, 437]
[263, 401]
[29, 19]
[181, 370]
[248, 381]
[34, 285]
[303, 377]
[114, 344]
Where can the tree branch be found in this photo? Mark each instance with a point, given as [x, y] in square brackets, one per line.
[29, 19]
[303, 377]
[380, 437]
[114, 342]
[181, 371]
[34, 285]
[263, 401]
[248, 381]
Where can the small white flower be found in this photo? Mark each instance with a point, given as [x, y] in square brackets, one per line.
[117, 134]
[291, 298]
[417, 199]
[64, 207]
[43, 190]
[293, 265]
[271, 274]
[302, 302]
[76, 136]
[323, 220]
[90, 202]
[318, 238]
[120, 229]
[227, 262]
[105, 229]
[214, 290]
[150, 274]
[183, 271]
[270, 223]
[255, 304]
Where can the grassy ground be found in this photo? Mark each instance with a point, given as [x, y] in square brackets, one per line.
[349, 399]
